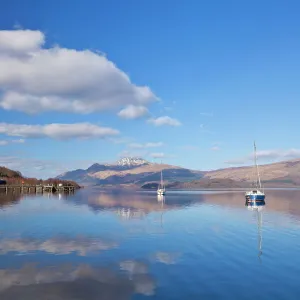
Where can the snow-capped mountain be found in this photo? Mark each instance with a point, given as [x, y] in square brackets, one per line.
[131, 161]
[129, 170]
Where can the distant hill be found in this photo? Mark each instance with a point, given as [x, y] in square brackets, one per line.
[284, 173]
[10, 177]
[8, 173]
[198, 184]
[129, 170]
[137, 172]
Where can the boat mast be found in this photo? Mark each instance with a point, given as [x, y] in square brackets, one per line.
[161, 180]
[255, 160]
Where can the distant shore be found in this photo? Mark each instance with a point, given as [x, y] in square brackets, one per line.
[186, 188]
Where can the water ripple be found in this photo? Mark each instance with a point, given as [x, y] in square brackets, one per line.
[188, 245]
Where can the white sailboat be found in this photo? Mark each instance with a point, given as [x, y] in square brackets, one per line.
[256, 194]
[161, 190]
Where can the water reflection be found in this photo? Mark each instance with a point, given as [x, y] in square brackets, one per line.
[57, 245]
[134, 201]
[167, 258]
[282, 201]
[11, 198]
[259, 226]
[258, 207]
[130, 213]
[161, 199]
[8, 199]
[138, 205]
[68, 282]
[80, 247]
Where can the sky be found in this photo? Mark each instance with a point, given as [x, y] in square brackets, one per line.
[187, 82]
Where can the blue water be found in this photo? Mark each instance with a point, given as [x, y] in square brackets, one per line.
[189, 245]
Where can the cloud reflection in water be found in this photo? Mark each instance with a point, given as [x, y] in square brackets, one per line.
[69, 282]
[59, 245]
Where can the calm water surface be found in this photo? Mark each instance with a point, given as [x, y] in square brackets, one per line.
[193, 245]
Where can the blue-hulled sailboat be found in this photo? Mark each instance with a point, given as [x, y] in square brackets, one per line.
[256, 194]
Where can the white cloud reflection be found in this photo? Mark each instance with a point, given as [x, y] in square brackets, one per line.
[71, 282]
[137, 272]
[166, 257]
[60, 245]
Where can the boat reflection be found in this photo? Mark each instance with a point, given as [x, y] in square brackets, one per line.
[258, 207]
[254, 204]
[161, 199]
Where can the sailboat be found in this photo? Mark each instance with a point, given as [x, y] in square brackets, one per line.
[256, 194]
[161, 190]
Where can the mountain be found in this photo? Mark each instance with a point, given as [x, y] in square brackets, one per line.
[284, 173]
[129, 170]
[137, 172]
[279, 174]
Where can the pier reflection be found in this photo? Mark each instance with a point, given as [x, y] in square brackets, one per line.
[9, 199]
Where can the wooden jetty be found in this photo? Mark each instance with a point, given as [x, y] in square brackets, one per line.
[29, 188]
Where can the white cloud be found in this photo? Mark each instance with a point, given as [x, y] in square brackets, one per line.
[133, 153]
[57, 131]
[278, 154]
[166, 120]
[20, 41]
[133, 112]
[203, 129]
[157, 155]
[6, 142]
[267, 155]
[146, 145]
[215, 148]
[31, 167]
[19, 141]
[121, 140]
[189, 148]
[206, 114]
[35, 79]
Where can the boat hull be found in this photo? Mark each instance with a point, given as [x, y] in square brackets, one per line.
[161, 192]
[255, 197]
[255, 203]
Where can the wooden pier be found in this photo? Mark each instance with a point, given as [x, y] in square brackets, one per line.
[26, 188]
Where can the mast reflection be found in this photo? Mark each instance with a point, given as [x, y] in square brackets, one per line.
[161, 199]
[258, 207]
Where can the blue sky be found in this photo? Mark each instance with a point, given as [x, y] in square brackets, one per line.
[190, 82]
